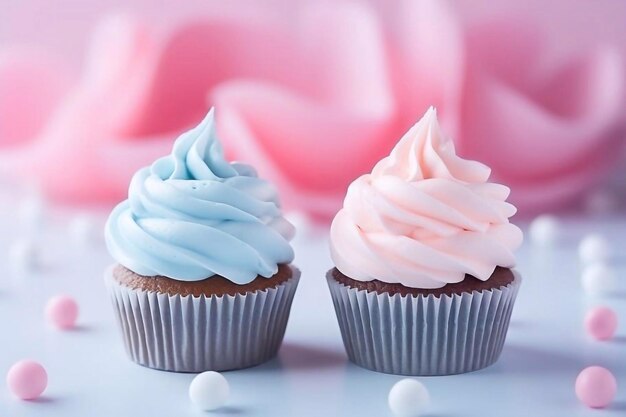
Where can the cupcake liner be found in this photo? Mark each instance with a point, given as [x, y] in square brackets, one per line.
[194, 334]
[423, 335]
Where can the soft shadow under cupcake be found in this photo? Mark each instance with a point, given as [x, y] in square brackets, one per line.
[300, 357]
[226, 411]
[304, 357]
[531, 360]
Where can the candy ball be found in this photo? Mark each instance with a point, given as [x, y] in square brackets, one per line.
[62, 311]
[601, 323]
[24, 255]
[594, 248]
[27, 379]
[408, 398]
[596, 387]
[31, 212]
[301, 222]
[544, 229]
[601, 202]
[209, 390]
[83, 228]
[599, 278]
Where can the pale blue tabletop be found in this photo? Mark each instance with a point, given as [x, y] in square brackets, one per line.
[90, 375]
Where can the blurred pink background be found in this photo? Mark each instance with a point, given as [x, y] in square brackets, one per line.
[313, 93]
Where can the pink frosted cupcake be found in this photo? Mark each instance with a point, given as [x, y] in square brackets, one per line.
[423, 251]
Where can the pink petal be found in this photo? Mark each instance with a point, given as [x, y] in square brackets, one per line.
[196, 57]
[540, 132]
[427, 57]
[32, 85]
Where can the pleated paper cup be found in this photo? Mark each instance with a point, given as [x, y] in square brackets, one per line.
[423, 335]
[195, 334]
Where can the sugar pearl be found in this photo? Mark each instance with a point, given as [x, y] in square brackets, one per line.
[594, 248]
[599, 278]
[24, 255]
[544, 229]
[601, 202]
[209, 390]
[31, 212]
[301, 221]
[601, 323]
[62, 311]
[283, 227]
[596, 387]
[27, 379]
[82, 229]
[408, 398]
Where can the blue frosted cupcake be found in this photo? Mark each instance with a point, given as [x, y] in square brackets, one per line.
[203, 279]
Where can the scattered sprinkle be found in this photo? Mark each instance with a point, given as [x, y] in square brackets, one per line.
[596, 387]
[27, 379]
[408, 398]
[209, 390]
[62, 312]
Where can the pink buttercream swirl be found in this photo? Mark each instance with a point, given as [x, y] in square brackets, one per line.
[424, 217]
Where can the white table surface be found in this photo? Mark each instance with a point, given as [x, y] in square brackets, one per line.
[90, 375]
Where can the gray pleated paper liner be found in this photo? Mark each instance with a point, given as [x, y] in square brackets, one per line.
[423, 335]
[195, 334]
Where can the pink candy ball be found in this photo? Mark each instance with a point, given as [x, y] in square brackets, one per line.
[601, 323]
[596, 387]
[27, 379]
[62, 311]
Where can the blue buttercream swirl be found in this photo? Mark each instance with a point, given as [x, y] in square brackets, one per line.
[192, 215]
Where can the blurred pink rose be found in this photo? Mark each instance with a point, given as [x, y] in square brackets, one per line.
[547, 132]
[78, 151]
[315, 101]
[292, 99]
[32, 85]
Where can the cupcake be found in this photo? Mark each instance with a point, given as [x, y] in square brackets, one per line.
[203, 279]
[423, 251]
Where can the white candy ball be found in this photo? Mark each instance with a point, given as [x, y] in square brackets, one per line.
[30, 213]
[301, 221]
[24, 255]
[82, 229]
[209, 390]
[544, 229]
[601, 202]
[284, 227]
[594, 248]
[408, 398]
[599, 278]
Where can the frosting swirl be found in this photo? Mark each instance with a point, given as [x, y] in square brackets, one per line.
[424, 217]
[192, 215]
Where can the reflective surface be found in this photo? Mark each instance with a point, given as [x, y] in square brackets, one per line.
[89, 373]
